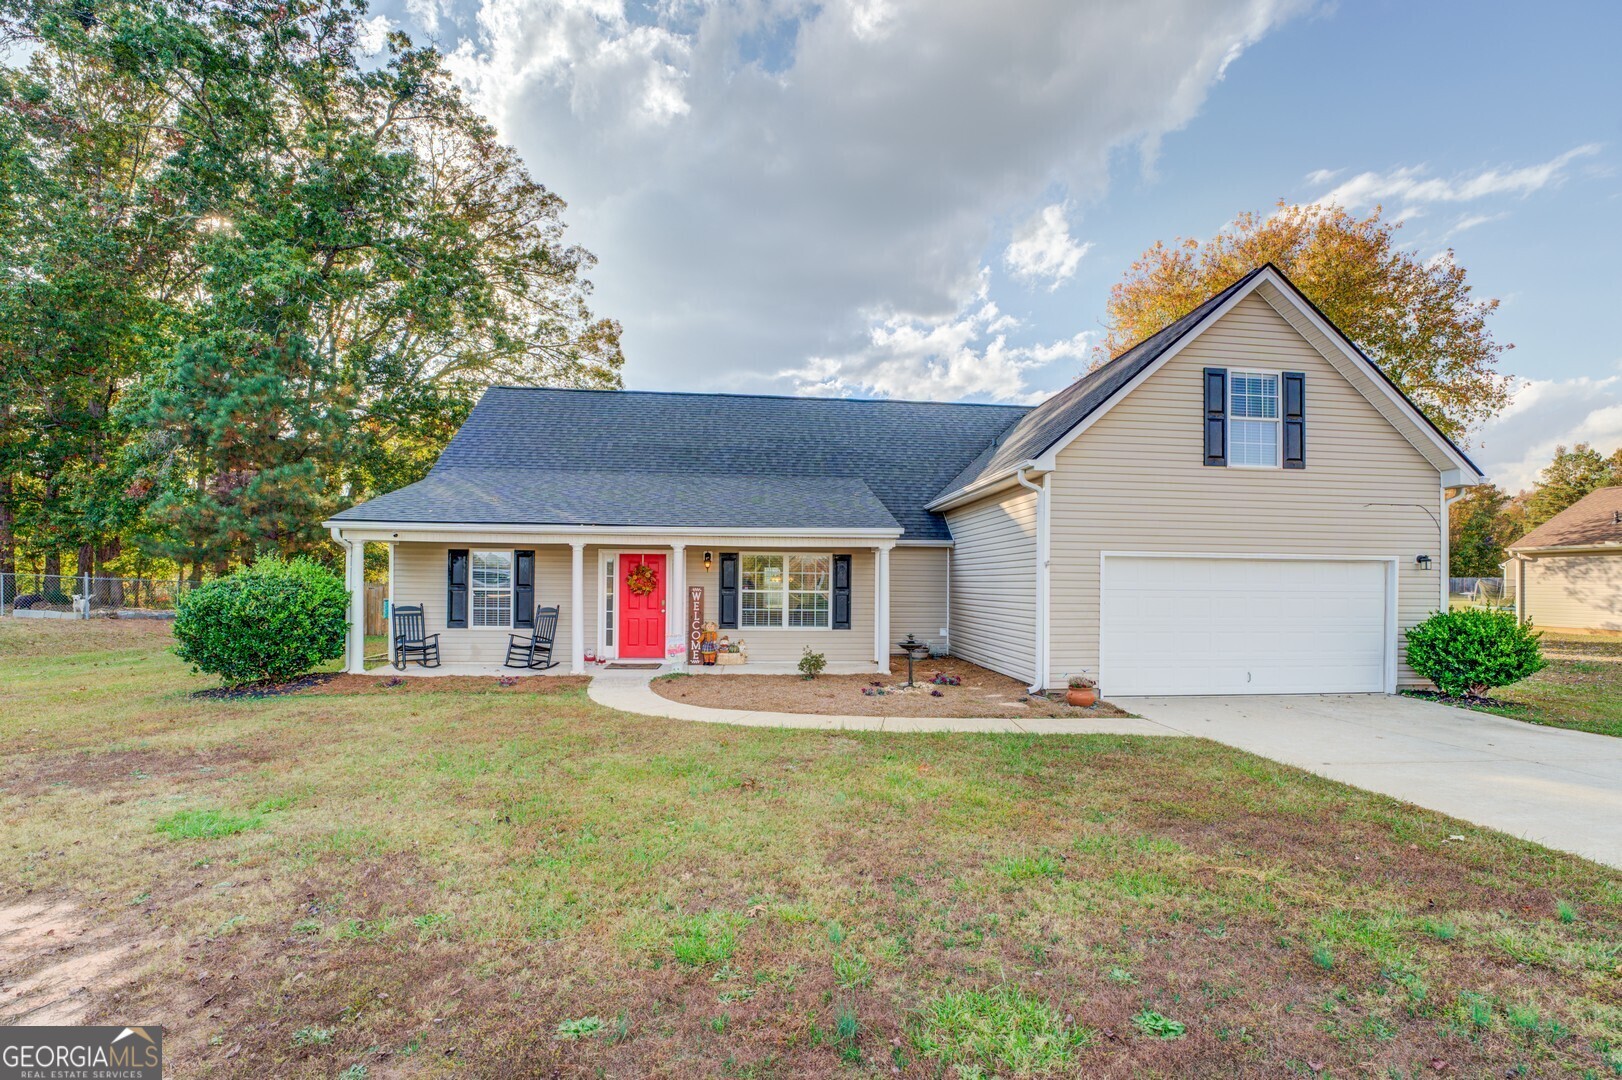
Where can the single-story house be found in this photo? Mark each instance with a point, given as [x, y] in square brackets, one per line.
[1241, 503]
[1567, 573]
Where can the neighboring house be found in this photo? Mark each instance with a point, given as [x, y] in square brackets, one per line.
[1242, 503]
[1566, 574]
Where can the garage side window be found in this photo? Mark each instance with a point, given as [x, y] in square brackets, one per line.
[1253, 419]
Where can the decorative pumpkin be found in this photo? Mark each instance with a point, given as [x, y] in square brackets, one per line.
[641, 579]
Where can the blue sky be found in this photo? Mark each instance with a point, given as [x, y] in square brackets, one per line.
[931, 198]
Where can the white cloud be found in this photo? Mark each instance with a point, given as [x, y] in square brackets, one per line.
[1413, 186]
[373, 34]
[1545, 413]
[963, 355]
[1044, 248]
[426, 13]
[759, 176]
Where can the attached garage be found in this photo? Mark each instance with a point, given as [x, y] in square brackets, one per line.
[1185, 624]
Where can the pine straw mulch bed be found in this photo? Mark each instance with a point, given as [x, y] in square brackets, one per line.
[339, 683]
[982, 693]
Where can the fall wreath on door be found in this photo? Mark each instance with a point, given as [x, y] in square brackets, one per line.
[641, 579]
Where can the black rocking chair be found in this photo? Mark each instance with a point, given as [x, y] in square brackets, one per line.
[411, 644]
[534, 650]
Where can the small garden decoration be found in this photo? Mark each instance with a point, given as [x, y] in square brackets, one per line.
[1083, 692]
[642, 579]
[1467, 653]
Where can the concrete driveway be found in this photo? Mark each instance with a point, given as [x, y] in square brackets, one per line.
[1560, 788]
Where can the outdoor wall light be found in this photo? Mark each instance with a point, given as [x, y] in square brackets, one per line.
[1422, 561]
[708, 558]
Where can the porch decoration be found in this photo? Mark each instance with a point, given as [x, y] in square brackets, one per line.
[709, 643]
[1082, 692]
[642, 579]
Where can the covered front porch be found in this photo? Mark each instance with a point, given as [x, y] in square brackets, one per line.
[631, 596]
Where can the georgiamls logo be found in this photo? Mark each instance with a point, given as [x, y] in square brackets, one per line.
[81, 1053]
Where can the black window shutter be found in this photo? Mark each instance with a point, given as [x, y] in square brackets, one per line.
[1216, 416]
[729, 590]
[1295, 420]
[841, 612]
[456, 588]
[523, 588]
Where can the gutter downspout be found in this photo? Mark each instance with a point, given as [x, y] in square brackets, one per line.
[1041, 642]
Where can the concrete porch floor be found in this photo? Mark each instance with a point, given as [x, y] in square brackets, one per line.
[414, 671]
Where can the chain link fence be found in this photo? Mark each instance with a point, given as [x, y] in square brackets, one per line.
[81, 596]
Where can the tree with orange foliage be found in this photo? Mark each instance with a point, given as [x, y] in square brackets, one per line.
[1415, 318]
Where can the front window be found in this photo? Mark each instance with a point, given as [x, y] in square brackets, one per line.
[1253, 420]
[785, 590]
[492, 588]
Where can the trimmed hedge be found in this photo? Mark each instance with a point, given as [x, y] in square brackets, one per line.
[272, 621]
[1468, 652]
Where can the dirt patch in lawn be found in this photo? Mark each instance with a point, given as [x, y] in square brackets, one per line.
[95, 771]
[980, 693]
[54, 959]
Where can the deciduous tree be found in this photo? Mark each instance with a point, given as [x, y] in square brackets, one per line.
[1415, 317]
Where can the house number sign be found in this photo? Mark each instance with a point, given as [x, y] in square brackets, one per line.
[695, 623]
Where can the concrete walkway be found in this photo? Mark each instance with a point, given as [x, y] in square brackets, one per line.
[629, 691]
[1560, 788]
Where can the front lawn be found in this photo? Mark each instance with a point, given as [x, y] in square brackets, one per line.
[1581, 688]
[526, 883]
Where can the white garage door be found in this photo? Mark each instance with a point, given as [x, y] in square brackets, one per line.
[1243, 626]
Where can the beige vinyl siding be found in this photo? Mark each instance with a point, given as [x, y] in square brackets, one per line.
[419, 578]
[1574, 592]
[767, 645]
[918, 593]
[1135, 481]
[994, 582]
[419, 572]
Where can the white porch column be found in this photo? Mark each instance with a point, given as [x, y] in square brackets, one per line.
[577, 601]
[676, 604]
[881, 606]
[355, 578]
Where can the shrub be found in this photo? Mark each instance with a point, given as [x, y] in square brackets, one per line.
[1471, 651]
[812, 663]
[273, 620]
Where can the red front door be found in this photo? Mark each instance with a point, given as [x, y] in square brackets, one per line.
[642, 616]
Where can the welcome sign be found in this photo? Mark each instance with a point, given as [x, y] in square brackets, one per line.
[695, 623]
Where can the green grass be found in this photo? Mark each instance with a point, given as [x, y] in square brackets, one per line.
[478, 883]
[205, 824]
[1002, 1030]
[1581, 688]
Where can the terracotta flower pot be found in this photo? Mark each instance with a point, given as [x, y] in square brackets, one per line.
[1082, 698]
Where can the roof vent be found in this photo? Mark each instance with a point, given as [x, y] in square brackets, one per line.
[1616, 517]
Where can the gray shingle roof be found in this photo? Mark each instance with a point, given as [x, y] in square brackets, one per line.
[1046, 424]
[1594, 519]
[541, 456]
[509, 496]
